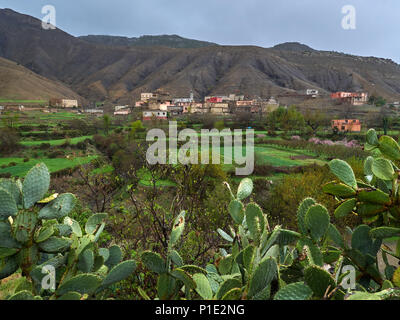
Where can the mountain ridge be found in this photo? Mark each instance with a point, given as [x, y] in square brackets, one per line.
[171, 41]
[119, 74]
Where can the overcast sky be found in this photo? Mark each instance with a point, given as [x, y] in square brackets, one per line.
[317, 23]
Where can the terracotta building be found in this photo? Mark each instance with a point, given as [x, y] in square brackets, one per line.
[347, 125]
[353, 98]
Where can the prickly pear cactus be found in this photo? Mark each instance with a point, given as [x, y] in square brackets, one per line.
[58, 259]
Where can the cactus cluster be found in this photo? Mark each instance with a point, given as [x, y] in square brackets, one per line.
[37, 236]
[257, 261]
[260, 262]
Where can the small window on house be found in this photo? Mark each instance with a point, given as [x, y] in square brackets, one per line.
[343, 127]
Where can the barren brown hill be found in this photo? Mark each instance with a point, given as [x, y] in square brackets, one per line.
[20, 83]
[119, 74]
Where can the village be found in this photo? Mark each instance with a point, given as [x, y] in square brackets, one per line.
[161, 105]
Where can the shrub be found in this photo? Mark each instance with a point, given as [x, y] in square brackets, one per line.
[44, 146]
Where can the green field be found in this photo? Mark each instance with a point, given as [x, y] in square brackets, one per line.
[54, 165]
[55, 142]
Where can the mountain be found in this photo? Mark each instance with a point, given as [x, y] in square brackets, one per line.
[120, 73]
[293, 46]
[20, 83]
[171, 41]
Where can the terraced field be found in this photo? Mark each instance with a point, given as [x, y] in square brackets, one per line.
[54, 165]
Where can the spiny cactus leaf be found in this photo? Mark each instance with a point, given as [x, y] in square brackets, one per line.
[85, 283]
[62, 230]
[314, 255]
[317, 221]
[339, 190]
[374, 196]
[176, 258]
[177, 229]
[166, 287]
[248, 258]
[120, 272]
[384, 232]
[226, 264]
[245, 189]
[387, 285]
[236, 210]
[344, 172]
[24, 226]
[35, 185]
[224, 235]
[86, 261]
[49, 198]
[6, 239]
[99, 231]
[318, 280]
[389, 148]
[372, 137]
[294, 291]
[369, 209]
[335, 236]
[94, 221]
[383, 169]
[55, 244]
[71, 296]
[364, 296]
[22, 295]
[7, 252]
[233, 294]
[58, 208]
[255, 220]
[56, 262]
[28, 257]
[361, 240]
[345, 208]
[226, 286]
[43, 234]
[396, 277]
[203, 287]
[193, 269]
[76, 228]
[368, 168]
[301, 213]
[263, 275]
[105, 253]
[185, 277]
[13, 188]
[287, 237]
[8, 207]
[154, 262]
[8, 266]
[115, 256]
[98, 263]
[268, 241]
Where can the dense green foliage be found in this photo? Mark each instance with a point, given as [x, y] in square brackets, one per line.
[37, 236]
[285, 254]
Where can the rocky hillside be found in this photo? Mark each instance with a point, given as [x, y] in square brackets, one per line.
[171, 41]
[20, 83]
[119, 74]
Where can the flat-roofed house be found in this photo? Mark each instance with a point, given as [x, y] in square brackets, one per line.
[155, 114]
[64, 103]
[347, 125]
[353, 98]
